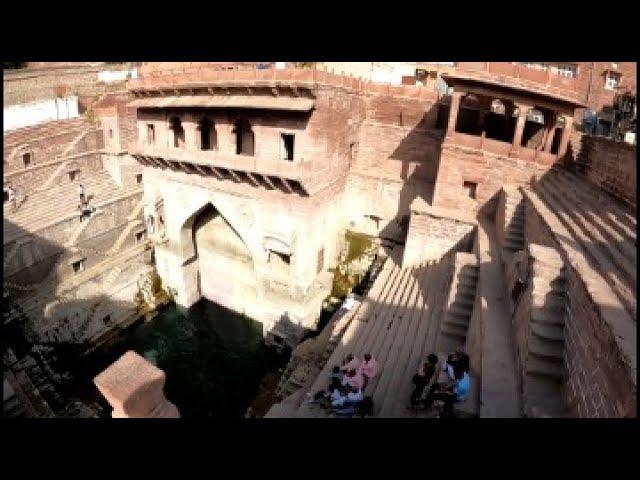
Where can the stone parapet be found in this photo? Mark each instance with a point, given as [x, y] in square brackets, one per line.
[134, 388]
[202, 76]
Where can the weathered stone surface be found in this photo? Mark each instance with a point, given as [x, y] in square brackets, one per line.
[134, 388]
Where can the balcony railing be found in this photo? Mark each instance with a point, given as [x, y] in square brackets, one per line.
[501, 148]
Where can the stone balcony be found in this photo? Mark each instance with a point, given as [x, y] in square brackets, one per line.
[291, 177]
[507, 74]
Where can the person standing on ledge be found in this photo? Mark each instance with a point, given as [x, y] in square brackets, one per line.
[11, 194]
[81, 193]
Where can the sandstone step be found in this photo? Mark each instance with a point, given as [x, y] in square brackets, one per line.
[461, 309]
[548, 331]
[542, 397]
[471, 271]
[537, 366]
[468, 288]
[465, 296]
[605, 255]
[457, 320]
[453, 330]
[598, 197]
[607, 238]
[548, 316]
[552, 351]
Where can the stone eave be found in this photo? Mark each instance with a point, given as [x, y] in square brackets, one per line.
[503, 83]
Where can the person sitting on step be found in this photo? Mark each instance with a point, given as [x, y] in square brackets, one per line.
[338, 396]
[369, 368]
[337, 374]
[458, 358]
[354, 379]
[451, 392]
[351, 403]
[350, 363]
[422, 378]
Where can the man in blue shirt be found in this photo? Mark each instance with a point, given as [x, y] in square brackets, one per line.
[450, 393]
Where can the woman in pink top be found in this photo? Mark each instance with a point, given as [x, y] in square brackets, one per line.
[354, 379]
[369, 368]
[351, 363]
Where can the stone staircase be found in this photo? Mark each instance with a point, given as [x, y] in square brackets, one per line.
[603, 227]
[16, 138]
[12, 406]
[62, 202]
[133, 223]
[544, 367]
[462, 294]
[33, 384]
[514, 221]
[397, 323]
[81, 228]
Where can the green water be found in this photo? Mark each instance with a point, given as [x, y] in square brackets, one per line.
[214, 359]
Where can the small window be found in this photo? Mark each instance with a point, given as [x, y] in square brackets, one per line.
[73, 175]
[5, 196]
[353, 151]
[567, 70]
[78, 266]
[151, 133]
[421, 75]
[106, 319]
[612, 80]
[140, 236]
[26, 159]
[138, 178]
[287, 146]
[471, 188]
[110, 133]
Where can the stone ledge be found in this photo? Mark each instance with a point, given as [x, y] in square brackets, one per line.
[421, 207]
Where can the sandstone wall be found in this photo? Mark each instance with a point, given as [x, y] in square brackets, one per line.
[28, 85]
[489, 171]
[612, 166]
[433, 234]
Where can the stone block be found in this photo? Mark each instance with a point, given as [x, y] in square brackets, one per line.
[134, 388]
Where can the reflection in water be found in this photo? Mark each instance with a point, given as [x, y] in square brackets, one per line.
[214, 359]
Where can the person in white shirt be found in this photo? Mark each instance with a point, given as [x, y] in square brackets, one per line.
[81, 193]
[337, 398]
[11, 193]
[354, 396]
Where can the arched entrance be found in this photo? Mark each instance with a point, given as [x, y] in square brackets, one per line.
[224, 268]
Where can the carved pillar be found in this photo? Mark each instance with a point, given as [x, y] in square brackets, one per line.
[517, 136]
[134, 388]
[551, 133]
[566, 133]
[191, 134]
[453, 113]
